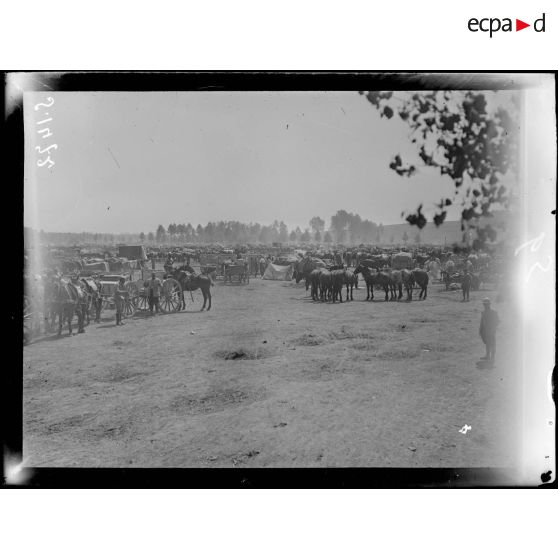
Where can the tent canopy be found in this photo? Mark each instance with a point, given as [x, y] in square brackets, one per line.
[278, 272]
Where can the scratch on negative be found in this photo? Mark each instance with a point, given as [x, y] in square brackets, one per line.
[112, 154]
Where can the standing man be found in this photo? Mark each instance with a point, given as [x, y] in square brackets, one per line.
[466, 285]
[97, 300]
[153, 292]
[81, 303]
[489, 323]
[120, 295]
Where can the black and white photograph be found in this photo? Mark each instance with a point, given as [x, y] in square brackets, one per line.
[288, 271]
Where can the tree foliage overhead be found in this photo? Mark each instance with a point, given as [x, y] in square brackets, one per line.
[458, 134]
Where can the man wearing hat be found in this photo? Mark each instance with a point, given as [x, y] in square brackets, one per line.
[120, 296]
[489, 323]
[153, 292]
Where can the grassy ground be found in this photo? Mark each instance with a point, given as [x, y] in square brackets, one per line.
[270, 378]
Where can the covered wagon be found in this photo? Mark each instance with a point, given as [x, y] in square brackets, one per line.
[132, 252]
[402, 260]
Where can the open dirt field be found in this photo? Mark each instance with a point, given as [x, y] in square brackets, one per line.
[270, 378]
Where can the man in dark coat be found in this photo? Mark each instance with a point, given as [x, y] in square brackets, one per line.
[489, 323]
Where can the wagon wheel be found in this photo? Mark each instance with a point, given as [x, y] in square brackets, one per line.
[171, 296]
[131, 304]
[142, 302]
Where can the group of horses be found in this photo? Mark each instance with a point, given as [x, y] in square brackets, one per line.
[392, 282]
[64, 298]
[61, 299]
[326, 284]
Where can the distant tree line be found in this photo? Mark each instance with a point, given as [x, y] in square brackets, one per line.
[347, 228]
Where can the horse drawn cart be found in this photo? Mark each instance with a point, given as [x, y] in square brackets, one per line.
[239, 270]
[214, 264]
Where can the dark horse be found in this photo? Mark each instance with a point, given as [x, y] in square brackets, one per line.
[420, 277]
[402, 278]
[379, 278]
[65, 301]
[304, 268]
[190, 281]
[351, 280]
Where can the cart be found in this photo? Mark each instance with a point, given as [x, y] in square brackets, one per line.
[214, 264]
[238, 270]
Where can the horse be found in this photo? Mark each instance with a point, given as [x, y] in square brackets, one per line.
[400, 277]
[190, 281]
[420, 277]
[92, 291]
[325, 285]
[314, 280]
[338, 281]
[379, 278]
[351, 280]
[304, 267]
[64, 303]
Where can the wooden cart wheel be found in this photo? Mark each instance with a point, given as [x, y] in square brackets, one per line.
[131, 304]
[171, 296]
[142, 303]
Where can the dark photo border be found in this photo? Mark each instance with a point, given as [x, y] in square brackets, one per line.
[12, 375]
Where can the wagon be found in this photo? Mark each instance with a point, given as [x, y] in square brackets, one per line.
[214, 264]
[238, 270]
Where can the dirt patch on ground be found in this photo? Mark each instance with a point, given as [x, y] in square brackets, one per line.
[121, 343]
[365, 345]
[310, 340]
[119, 373]
[69, 423]
[398, 353]
[212, 402]
[109, 431]
[242, 354]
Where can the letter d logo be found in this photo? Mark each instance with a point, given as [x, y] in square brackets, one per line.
[539, 24]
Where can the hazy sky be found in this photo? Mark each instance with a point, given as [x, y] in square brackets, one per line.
[126, 162]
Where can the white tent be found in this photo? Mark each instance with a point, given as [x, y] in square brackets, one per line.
[278, 272]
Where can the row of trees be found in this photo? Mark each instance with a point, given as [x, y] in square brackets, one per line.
[233, 232]
[345, 228]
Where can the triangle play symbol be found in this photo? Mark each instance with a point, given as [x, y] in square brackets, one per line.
[519, 25]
